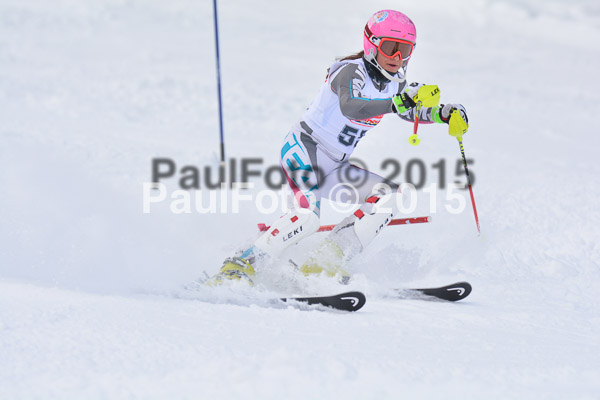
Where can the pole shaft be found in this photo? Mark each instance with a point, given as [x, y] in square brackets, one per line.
[219, 82]
[462, 152]
[400, 221]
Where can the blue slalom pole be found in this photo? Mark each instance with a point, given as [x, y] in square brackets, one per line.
[219, 83]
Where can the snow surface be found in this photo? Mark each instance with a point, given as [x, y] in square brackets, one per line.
[92, 303]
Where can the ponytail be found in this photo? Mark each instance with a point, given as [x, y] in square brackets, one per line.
[354, 56]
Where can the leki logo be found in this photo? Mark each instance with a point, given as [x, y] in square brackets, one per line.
[292, 233]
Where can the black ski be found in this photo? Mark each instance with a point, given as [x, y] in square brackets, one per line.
[349, 301]
[454, 292]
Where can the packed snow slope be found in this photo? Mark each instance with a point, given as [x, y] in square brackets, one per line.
[92, 297]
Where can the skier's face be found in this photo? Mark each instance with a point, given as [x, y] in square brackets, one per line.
[391, 65]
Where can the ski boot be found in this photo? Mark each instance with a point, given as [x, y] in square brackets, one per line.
[233, 269]
[328, 258]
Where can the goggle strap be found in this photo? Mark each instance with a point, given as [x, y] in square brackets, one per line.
[372, 38]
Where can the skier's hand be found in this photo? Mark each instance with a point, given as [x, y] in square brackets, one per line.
[402, 103]
[428, 95]
[447, 109]
[455, 115]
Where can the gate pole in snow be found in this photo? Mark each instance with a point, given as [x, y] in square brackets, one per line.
[219, 83]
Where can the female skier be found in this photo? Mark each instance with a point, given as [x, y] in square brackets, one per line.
[359, 90]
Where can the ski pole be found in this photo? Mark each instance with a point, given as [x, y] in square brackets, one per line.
[428, 96]
[399, 221]
[462, 152]
[457, 126]
[414, 139]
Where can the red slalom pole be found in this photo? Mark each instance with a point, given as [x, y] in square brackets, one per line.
[462, 152]
[399, 221]
[414, 139]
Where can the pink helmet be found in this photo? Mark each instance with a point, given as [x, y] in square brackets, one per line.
[388, 24]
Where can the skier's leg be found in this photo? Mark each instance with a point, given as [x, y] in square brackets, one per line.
[286, 231]
[380, 204]
[351, 236]
[356, 231]
[300, 162]
[353, 185]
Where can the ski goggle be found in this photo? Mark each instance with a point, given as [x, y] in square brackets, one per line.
[390, 48]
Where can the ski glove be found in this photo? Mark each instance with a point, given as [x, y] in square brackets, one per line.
[454, 115]
[402, 103]
[406, 100]
[445, 110]
[428, 95]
